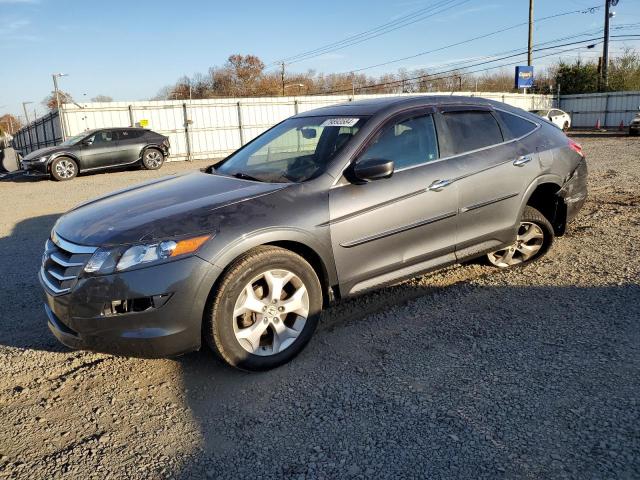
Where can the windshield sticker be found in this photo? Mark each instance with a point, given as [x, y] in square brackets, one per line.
[339, 122]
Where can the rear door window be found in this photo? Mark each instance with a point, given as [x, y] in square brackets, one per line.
[472, 129]
[128, 134]
[514, 126]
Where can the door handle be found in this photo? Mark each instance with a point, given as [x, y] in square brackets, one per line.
[438, 185]
[519, 162]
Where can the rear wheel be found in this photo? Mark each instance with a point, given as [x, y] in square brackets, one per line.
[265, 309]
[152, 159]
[63, 168]
[535, 236]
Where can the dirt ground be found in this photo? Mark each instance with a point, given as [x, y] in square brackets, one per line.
[469, 372]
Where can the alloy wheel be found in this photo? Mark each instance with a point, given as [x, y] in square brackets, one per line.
[153, 159]
[528, 243]
[270, 312]
[65, 168]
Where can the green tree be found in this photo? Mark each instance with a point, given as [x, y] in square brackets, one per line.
[578, 77]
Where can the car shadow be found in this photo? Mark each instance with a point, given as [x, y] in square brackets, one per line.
[412, 379]
[23, 322]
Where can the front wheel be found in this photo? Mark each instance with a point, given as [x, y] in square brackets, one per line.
[535, 236]
[265, 309]
[152, 159]
[63, 168]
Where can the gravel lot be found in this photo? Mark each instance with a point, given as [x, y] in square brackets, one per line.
[468, 372]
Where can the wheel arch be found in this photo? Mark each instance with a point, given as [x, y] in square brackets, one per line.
[543, 195]
[70, 155]
[298, 241]
[147, 147]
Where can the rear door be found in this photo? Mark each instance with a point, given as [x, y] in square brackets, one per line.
[495, 170]
[398, 226]
[130, 144]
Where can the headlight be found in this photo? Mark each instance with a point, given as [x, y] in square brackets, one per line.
[42, 159]
[109, 260]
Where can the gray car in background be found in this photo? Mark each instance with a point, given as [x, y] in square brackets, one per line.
[99, 149]
[325, 205]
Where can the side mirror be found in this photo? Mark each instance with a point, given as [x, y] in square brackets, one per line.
[87, 142]
[373, 169]
[308, 133]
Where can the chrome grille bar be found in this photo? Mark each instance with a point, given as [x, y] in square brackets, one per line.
[62, 264]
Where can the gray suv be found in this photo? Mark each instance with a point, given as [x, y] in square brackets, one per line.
[325, 205]
[99, 150]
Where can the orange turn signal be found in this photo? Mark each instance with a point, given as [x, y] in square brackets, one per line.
[189, 245]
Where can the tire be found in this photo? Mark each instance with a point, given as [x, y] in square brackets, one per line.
[535, 237]
[249, 340]
[63, 168]
[152, 159]
[565, 127]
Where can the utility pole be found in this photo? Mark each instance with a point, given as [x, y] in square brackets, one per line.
[605, 45]
[282, 77]
[530, 50]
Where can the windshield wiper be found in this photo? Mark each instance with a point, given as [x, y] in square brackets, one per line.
[245, 176]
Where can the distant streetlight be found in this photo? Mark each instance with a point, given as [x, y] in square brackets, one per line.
[57, 93]
[55, 87]
[24, 107]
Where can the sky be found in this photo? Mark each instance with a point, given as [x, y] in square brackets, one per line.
[128, 50]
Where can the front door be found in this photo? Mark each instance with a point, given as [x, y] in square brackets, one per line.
[396, 227]
[100, 150]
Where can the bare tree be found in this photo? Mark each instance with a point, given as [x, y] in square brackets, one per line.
[9, 124]
[51, 103]
[102, 98]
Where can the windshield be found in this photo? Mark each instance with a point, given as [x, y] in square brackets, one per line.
[296, 150]
[74, 140]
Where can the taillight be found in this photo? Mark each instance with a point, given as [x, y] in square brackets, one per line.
[576, 147]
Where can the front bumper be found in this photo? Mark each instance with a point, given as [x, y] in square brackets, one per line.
[81, 318]
[34, 168]
[634, 128]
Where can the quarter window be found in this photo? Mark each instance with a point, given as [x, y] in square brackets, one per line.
[515, 127]
[408, 143]
[471, 130]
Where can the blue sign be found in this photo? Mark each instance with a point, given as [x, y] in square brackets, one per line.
[524, 77]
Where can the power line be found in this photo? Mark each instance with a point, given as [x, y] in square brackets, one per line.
[375, 32]
[473, 39]
[596, 40]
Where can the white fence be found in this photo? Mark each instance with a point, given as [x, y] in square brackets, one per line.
[213, 128]
[609, 108]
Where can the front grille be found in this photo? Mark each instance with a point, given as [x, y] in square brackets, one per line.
[62, 263]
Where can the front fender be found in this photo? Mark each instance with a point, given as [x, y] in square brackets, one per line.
[221, 254]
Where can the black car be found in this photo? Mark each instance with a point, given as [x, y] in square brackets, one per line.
[98, 150]
[325, 205]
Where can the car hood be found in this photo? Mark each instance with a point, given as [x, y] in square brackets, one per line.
[45, 151]
[163, 208]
